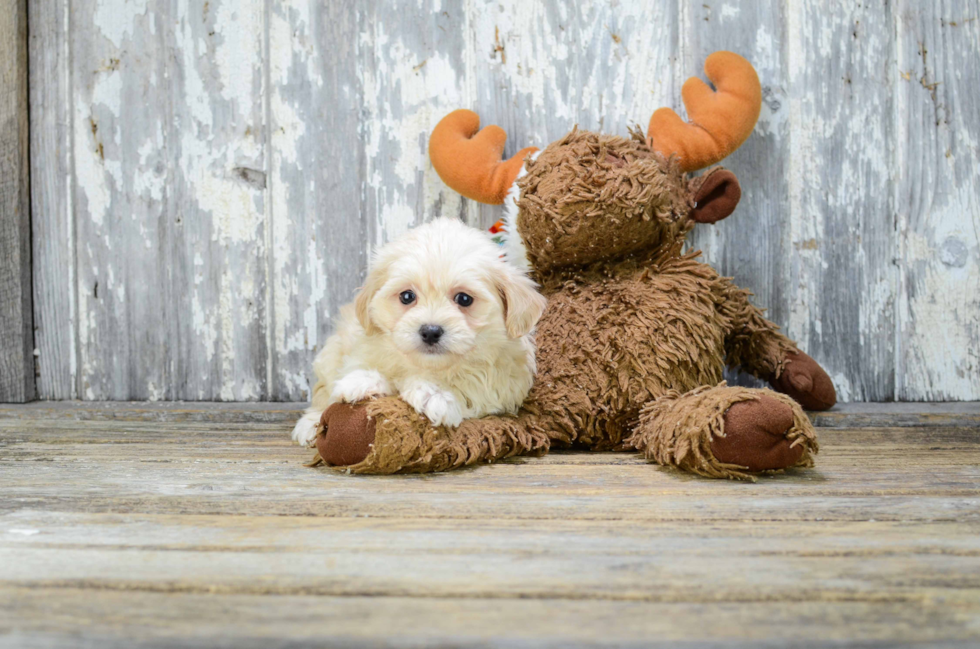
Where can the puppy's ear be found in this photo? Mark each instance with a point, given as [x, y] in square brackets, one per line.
[523, 305]
[375, 280]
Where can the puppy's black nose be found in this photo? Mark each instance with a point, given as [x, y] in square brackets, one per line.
[430, 333]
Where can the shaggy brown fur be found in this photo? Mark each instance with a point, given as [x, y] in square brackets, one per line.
[636, 334]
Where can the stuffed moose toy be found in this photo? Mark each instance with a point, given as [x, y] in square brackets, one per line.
[636, 332]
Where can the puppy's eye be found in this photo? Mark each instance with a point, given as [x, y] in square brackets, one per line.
[407, 297]
[463, 299]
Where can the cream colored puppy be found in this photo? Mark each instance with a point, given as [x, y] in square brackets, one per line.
[442, 321]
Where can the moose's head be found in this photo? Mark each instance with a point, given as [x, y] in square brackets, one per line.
[590, 197]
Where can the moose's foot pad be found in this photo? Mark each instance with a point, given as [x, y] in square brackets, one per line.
[346, 435]
[756, 436]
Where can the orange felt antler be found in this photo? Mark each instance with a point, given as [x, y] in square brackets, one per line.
[720, 120]
[470, 161]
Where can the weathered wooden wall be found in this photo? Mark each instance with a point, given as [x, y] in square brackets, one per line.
[210, 175]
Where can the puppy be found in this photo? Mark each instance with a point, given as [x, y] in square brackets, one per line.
[442, 321]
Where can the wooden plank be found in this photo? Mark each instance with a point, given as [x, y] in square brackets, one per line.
[160, 411]
[490, 558]
[880, 474]
[319, 231]
[845, 415]
[52, 215]
[121, 200]
[73, 440]
[86, 440]
[195, 498]
[544, 67]
[168, 162]
[843, 244]
[16, 312]
[89, 618]
[864, 415]
[218, 232]
[753, 245]
[938, 198]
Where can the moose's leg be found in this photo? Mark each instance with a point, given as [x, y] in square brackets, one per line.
[756, 346]
[725, 432]
[386, 435]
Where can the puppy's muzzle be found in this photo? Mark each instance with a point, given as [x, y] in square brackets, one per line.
[431, 334]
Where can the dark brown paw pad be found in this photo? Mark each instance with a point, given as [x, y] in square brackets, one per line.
[347, 434]
[755, 436]
[803, 380]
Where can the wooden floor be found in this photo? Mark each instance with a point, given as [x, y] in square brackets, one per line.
[133, 525]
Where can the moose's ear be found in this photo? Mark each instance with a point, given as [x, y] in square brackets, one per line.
[716, 197]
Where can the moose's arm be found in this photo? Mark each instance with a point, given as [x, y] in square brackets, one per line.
[756, 345]
[386, 435]
[753, 343]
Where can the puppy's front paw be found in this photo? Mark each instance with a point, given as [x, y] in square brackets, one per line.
[305, 429]
[359, 385]
[439, 406]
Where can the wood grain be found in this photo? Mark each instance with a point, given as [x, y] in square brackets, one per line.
[52, 215]
[55, 617]
[845, 415]
[885, 474]
[938, 199]
[843, 238]
[169, 216]
[233, 190]
[202, 533]
[121, 200]
[319, 231]
[16, 313]
[479, 559]
[216, 230]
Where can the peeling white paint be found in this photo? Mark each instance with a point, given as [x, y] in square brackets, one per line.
[115, 20]
[232, 208]
[806, 129]
[239, 27]
[424, 88]
[287, 131]
[155, 392]
[89, 144]
[940, 316]
[729, 11]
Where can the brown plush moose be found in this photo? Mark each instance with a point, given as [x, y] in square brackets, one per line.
[637, 332]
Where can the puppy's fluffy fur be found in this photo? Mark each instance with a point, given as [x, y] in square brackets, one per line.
[483, 361]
